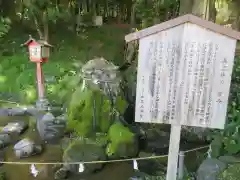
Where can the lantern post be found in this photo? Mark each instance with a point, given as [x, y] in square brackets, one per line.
[40, 80]
[39, 54]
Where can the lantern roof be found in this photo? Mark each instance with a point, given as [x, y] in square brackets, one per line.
[40, 42]
[188, 18]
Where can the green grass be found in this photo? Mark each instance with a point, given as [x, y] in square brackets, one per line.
[17, 73]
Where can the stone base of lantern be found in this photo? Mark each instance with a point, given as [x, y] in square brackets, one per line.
[42, 104]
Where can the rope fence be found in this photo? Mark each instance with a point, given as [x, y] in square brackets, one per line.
[10, 102]
[92, 162]
[98, 162]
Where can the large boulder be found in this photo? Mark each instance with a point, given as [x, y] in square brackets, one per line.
[84, 151]
[195, 134]
[50, 128]
[143, 176]
[15, 127]
[210, 168]
[26, 147]
[153, 167]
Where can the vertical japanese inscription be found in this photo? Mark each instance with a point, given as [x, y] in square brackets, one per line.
[158, 69]
[223, 70]
[198, 80]
[176, 60]
[190, 89]
[141, 110]
[200, 107]
[170, 81]
[142, 82]
[207, 100]
[210, 71]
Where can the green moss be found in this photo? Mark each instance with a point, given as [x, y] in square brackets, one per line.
[118, 135]
[80, 112]
[81, 108]
[32, 122]
[231, 173]
[2, 175]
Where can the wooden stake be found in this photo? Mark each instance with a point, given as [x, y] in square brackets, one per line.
[40, 81]
[173, 151]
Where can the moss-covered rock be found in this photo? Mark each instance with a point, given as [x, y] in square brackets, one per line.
[3, 175]
[84, 151]
[123, 143]
[231, 173]
[81, 111]
[210, 168]
[143, 176]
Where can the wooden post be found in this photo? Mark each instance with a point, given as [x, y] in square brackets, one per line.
[181, 165]
[173, 152]
[40, 81]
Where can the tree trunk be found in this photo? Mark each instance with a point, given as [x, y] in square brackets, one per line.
[186, 7]
[235, 14]
[133, 13]
[119, 14]
[45, 26]
[38, 28]
[87, 6]
[129, 10]
[204, 8]
[106, 9]
[212, 11]
[200, 8]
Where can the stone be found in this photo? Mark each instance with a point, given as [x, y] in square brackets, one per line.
[229, 159]
[102, 74]
[15, 127]
[61, 174]
[144, 176]
[42, 104]
[31, 110]
[2, 157]
[231, 173]
[5, 140]
[153, 167]
[210, 168]
[3, 175]
[26, 147]
[79, 151]
[50, 128]
[153, 137]
[18, 111]
[194, 134]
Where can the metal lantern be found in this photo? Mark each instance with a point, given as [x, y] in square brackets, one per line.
[38, 53]
[38, 50]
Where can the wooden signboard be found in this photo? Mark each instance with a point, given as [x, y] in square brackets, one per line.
[184, 75]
